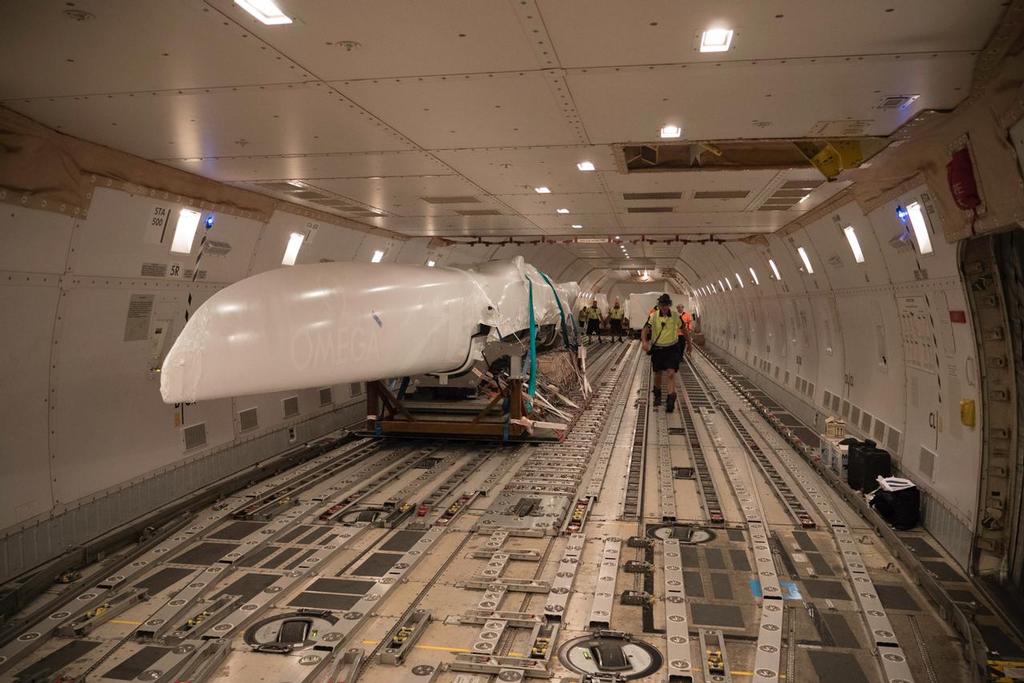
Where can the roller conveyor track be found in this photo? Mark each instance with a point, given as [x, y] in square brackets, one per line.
[442, 594]
[779, 484]
[693, 394]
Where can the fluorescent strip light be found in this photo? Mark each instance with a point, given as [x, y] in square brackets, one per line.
[291, 252]
[669, 132]
[185, 231]
[851, 237]
[754, 275]
[431, 264]
[713, 290]
[585, 165]
[561, 210]
[577, 226]
[716, 40]
[924, 240]
[266, 11]
[542, 190]
[739, 280]
[720, 285]
[728, 282]
[378, 255]
[806, 260]
[775, 270]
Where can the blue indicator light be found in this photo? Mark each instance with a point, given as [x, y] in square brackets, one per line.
[902, 214]
[209, 221]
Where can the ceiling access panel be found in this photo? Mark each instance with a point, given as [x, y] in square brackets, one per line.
[737, 98]
[312, 167]
[668, 32]
[512, 170]
[301, 118]
[397, 38]
[535, 204]
[71, 45]
[481, 110]
[410, 196]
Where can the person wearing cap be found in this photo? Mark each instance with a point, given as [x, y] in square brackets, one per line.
[615, 316]
[594, 321]
[660, 338]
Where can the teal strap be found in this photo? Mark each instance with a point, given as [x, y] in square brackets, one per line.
[561, 314]
[531, 389]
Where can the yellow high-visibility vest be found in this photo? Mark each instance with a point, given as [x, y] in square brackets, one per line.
[664, 328]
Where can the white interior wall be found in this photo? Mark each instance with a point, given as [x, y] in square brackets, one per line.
[82, 405]
[876, 334]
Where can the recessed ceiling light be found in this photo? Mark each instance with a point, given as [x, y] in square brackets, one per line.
[542, 190]
[585, 165]
[431, 264]
[754, 275]
[775, 269]
[716, 40]
[562, 210]
[616, 237]
[266, 11]
[577, 226]
[378, 256]
[669, 132]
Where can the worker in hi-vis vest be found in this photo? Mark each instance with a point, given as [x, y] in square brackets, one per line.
[660, 338]
[593, 322]
[684, 331]
[615, 317]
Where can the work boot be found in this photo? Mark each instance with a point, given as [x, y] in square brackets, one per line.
[657, 397]
[670, 403]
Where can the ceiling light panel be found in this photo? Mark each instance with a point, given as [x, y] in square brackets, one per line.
[221, 119]
[717, 39]
[265, 11]
[529, 112]
[851, 238]
[920, 228]
[598, 40]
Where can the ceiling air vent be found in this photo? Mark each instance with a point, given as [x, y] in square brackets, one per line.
[195, 436]
[892, 440]
[290, 406]
[478, 212]
[216, 248]
[356, 389]
[308, 194]
[279, 186]
[451, 200]
[801, 184]
[248, 420]
[630, 196]
[926, 463]
[721, 194]
[326, 397]
[897, 101]
[649, 209]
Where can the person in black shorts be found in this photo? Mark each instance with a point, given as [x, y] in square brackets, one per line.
[660, 338]
[615, 317]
